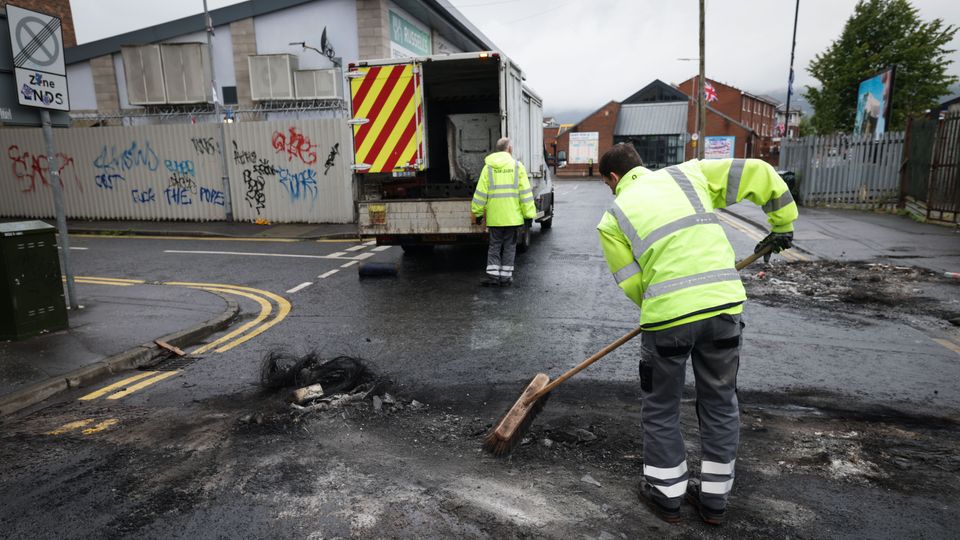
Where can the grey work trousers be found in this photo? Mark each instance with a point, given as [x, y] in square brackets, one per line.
[714, 345]
[502, 252]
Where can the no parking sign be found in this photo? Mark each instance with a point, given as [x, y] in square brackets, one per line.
[41, 74]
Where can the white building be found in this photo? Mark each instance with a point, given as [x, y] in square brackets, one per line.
[267, 59]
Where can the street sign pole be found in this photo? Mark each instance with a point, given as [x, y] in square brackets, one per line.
[64, 240]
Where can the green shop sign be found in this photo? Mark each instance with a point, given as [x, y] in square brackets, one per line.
[409, 37]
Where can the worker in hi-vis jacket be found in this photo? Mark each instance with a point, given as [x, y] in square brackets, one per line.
[667, 251]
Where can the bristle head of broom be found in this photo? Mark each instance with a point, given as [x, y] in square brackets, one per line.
[510, 429]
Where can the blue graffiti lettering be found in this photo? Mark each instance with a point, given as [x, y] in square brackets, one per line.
[181, 167]
[143, 196]
[115, 160]
[106, 181]
[178, 196]
[211, 196]
[299, 185]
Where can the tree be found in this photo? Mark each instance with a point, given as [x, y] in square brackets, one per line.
[881, 34]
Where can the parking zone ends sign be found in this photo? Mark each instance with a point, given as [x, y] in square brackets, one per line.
[37, 43]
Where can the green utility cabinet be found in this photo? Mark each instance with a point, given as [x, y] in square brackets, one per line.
[31, 287]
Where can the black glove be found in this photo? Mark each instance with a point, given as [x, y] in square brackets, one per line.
[478, 219]
[778, 243]
[528, 223]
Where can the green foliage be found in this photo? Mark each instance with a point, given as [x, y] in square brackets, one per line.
[880, 34]
[806, 127]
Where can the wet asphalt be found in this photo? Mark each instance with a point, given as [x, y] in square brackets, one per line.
[439, 336]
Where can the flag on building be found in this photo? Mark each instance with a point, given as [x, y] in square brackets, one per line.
[709, 92]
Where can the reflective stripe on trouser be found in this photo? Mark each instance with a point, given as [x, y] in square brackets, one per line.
[714, 345]
[502, 251]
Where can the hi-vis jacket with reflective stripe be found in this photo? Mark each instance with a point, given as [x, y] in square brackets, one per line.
[666, 247]
[503, 192]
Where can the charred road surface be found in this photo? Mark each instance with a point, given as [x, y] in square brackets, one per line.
[847, 385]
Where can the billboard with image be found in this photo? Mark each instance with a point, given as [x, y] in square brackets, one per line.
[873, 104]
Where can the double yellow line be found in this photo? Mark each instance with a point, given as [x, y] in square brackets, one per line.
[270, 304]
[789, 255]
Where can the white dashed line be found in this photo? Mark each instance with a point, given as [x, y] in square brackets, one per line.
[356, 248]
[381, 248]
[363, 256]
[328, 274]
[74, 248]
[370, 243]
[337, 254]
[349, 264]
[300, 287]
[247, 254]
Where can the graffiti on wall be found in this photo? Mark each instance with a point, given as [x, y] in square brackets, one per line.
[32, 169]
[295, 144]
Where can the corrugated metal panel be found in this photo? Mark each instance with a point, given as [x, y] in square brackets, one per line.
[291, 171]
[173, 172]
[652, 119]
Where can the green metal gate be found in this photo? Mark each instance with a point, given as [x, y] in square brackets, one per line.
[930, 178]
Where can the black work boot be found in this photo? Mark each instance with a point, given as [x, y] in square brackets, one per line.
[506, 282]
[670, 515]
[490, 281]
[710, 516]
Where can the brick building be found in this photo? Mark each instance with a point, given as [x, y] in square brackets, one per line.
[57, 8]
[748, 117]
[603, 121]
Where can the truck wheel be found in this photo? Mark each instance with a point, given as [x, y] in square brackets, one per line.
[523, 243]
[547, 223]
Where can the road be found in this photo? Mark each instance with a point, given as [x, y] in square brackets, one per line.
[201, 451]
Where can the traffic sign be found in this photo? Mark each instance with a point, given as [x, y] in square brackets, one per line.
[36, 40]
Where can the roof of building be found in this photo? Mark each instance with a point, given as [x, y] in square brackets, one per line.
[664, 118]
[656, 91]
[766, 99]
[439, 14]
[573, 127]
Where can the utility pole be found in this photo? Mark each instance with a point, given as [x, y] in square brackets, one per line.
[225, 172]
[701, 103]
[53, 164]
[793, 48]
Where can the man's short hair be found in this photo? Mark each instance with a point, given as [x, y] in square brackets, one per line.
[502, 144]
[619, 159]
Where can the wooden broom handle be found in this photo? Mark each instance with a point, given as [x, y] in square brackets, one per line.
[623, 339]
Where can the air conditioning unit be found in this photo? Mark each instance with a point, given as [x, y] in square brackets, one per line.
[143, 73]
[271, 76]
[186, 73]
[318, 84]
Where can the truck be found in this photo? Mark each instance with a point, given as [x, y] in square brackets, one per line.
[421, 130]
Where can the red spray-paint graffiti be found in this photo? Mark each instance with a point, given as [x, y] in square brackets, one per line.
[31, 169]
[296, 145]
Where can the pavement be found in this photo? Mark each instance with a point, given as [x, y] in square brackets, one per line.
[113, 330]
[215, 229]
[853, 235]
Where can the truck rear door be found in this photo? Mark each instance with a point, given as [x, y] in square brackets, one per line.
[388, 121]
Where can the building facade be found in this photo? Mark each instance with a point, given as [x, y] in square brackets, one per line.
[582, 144]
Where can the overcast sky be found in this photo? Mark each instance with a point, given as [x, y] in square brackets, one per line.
[579, 54]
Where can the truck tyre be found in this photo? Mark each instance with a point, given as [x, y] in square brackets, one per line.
[547, 222]
[523, 243]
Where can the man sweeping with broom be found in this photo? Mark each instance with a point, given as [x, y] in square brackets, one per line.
[666, 249]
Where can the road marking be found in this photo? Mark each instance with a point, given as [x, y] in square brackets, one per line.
[337, 240]
[143, 384]
[948, 344]
[338, 254]
[114, 280]
[70, 426]
[328, 274]
[356, 248]
[370, 243]
[116, 386]
[74, 248]
[283, 308]
[363, 256]
[89, 281]
[349, 264]
[106, 424]
[265, 310]
[300, 287]
[201, 238]
[248, 254]
[381, 248]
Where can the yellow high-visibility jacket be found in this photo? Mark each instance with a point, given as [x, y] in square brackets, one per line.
[665, 246]
[503, 192]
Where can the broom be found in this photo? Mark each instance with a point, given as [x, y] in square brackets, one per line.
[512, 427]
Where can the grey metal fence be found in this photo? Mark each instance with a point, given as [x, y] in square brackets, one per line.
[846, 170]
